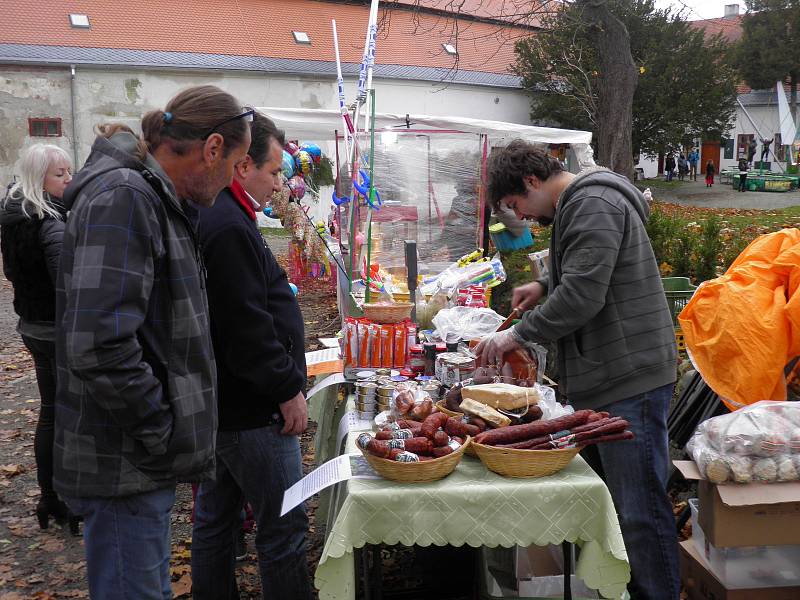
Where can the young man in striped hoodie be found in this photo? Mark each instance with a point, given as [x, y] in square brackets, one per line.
[607, 314]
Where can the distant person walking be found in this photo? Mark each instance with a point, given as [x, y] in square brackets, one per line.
[710, 171]
[669, 166]
[743, 167]
[683, 167]
[694, 159]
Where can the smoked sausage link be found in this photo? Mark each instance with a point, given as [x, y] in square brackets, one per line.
[518, 433]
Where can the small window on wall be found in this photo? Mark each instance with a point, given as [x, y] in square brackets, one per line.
[728, 148]
[742, 142]
[45, 127]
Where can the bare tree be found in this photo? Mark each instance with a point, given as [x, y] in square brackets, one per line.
[617, 78]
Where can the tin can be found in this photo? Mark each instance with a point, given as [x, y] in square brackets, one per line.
[365, 375]
[383, 372]
[365, 388]
[443, 362]
[455, 368]
[385, 391]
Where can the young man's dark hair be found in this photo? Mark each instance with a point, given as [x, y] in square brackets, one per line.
[262, 132]
[508, 166]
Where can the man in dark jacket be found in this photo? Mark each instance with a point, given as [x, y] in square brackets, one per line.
[258, 335]
[136, 410]
[607, 312]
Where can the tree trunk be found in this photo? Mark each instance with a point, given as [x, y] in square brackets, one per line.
[618, 80]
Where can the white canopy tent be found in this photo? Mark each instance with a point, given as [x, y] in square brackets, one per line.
[320, 125]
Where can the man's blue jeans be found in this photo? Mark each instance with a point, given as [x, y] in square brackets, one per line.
[255, 465]
[636, 475]
[127, 544]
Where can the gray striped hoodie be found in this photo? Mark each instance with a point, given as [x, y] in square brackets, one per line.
[606, 308]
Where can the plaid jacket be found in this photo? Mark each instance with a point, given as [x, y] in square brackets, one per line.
[135, 407]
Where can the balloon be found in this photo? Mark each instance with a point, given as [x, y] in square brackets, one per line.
[313, 150]
[293, 287]
[304, 162]
[287, 164]
[291, 148]
[297, 187]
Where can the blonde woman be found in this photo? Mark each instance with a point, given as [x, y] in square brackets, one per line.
[32, 225]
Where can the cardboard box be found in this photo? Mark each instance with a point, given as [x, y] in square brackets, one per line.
[701, 584]
[753, 514]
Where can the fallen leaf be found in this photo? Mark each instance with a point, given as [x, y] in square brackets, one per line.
[183, 586]
[11, 470]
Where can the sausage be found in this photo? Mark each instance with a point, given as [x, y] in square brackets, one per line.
[440, 438]
[518, 433]
[432, 424]
[614, 437]
[404, 402]
[590, 425]
[414, 426]
[478, 422]
[418, 445]
[394, 434]
[457, 427]
[380, 448]
[421, 411]
[606, 429]
[442, 451]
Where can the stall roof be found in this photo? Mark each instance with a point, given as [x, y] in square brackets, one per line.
[319, 124]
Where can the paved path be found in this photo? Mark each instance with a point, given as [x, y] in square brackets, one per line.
[695, 193]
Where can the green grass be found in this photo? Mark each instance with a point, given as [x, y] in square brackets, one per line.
[660, 184]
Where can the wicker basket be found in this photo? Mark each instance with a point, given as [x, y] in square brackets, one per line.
[511, 462]
[429, 470]
[384, 312]
[450, 413]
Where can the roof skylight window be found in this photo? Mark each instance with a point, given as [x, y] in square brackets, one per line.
[450, 49]
[79, 21]
[301, 37]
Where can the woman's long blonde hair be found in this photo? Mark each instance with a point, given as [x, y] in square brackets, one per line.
[33, 167]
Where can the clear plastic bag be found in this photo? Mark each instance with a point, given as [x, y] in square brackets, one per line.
[751, 444]
[465, 323]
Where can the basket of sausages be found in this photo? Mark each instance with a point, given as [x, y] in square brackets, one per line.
[545, 447]
[413, 452]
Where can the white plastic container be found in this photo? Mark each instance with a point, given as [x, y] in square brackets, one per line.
[748, 566]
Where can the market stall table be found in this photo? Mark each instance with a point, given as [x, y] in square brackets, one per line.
[472, 506]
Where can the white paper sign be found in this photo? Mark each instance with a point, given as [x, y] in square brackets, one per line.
[330, 342]
[349, 422]
[332, 472]
[322, 356]
[330, 380]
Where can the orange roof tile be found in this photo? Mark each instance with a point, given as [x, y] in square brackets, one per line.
[261, 28]
[729, 27]
[520, 12]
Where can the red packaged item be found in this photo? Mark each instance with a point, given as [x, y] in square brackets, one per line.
[363, 343]
[387, 345]
[399, 346]
[374, 345]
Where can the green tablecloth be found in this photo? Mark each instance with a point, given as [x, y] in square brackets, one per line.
[477, 507]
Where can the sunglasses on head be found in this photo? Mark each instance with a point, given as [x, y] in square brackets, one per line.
[246, 115]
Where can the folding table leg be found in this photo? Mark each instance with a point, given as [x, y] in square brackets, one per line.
[567, 549]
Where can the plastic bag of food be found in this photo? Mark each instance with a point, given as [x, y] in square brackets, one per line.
[751, 444]
[465, 323]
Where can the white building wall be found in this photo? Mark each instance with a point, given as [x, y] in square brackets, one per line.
[123, 95]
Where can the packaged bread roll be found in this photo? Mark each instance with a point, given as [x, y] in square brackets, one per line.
[502, 396]
[488, 414]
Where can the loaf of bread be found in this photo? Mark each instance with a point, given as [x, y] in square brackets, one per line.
[487, 413]
[501, 395]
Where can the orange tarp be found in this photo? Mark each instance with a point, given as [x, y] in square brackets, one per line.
[744, 327]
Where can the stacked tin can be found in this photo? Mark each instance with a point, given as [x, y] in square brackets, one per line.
[366, 399]
[385, 391]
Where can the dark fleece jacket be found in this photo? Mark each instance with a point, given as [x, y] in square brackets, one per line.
[256, 324]
[606, 307]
